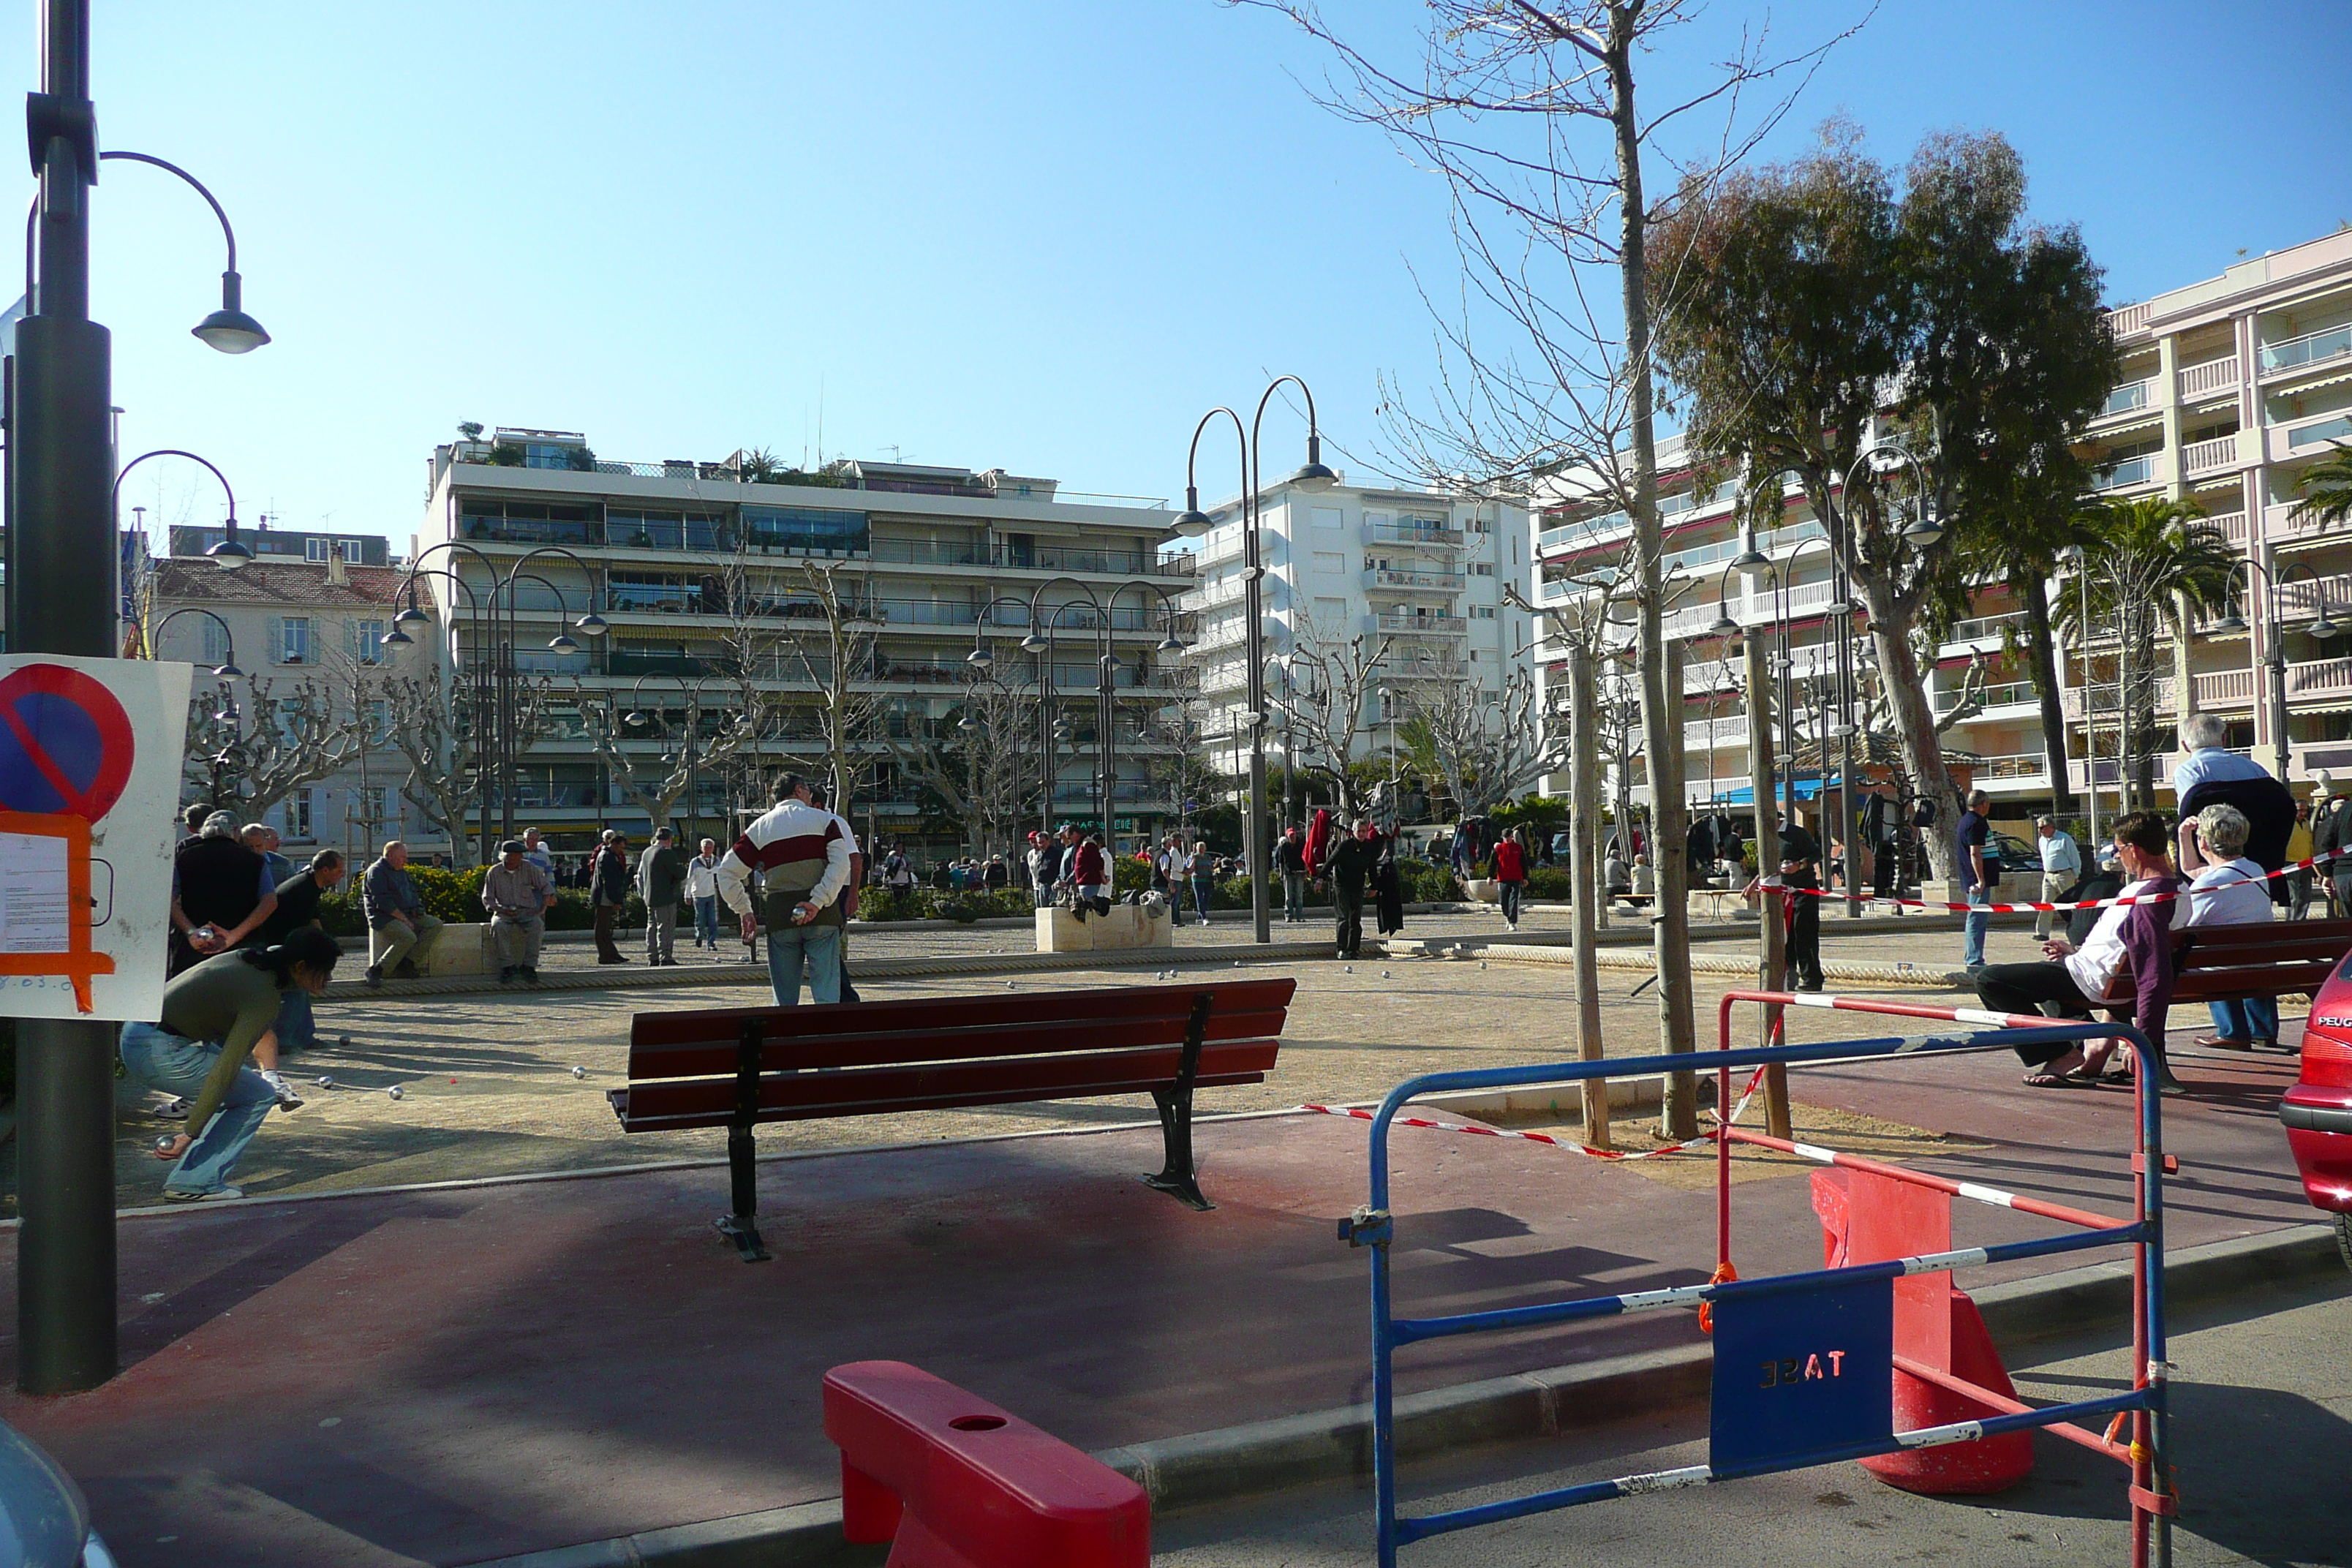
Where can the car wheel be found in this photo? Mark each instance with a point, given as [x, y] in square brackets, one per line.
[2344, 1238]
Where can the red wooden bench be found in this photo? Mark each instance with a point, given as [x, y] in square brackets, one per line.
[2263, 958]
[737, 1067]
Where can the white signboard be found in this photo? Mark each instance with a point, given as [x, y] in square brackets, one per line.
[89, 793]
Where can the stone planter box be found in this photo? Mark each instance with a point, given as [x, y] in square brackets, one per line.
[457, 949]
[1127, 925]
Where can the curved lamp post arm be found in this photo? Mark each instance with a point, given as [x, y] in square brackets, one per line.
[228, 329]
[230, 552]
[227, 671]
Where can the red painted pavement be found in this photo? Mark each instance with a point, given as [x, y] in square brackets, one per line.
[448, 1376]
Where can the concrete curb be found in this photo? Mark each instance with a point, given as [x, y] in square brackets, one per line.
[1321, 1446]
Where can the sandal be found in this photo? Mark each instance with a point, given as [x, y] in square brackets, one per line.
[2222, 1043]
[2052, 1080]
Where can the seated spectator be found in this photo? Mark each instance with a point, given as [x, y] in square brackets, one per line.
[2071, 980]
[2231, 890]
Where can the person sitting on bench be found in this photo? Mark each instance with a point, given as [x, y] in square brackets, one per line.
[2071, 980]
[2231, 890]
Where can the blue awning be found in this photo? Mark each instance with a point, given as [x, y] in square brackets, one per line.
[1745, 795]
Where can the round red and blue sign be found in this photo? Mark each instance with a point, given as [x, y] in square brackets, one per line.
[65, 746]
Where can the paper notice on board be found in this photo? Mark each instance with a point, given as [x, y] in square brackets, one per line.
[33, 899]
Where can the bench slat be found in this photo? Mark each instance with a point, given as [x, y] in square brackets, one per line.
[917, 1014]
[703, 1102]
[1010, 1038]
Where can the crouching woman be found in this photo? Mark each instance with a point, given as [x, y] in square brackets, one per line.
[2070, 981]
[214, 1015]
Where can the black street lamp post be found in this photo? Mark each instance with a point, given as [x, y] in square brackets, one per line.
[62, 600]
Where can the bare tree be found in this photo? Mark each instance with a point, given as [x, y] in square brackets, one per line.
[281, 738]
[828, 645]
[1515, 102]
[437, 732]
[1324, 701]
[1485, 746]
[655, 781]
[971, 762]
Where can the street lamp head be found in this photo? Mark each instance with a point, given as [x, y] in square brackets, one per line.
[967, 722]
[232, 552]
[397, 638]
[1751, 563]
[1723, 626]
[980, 656]
[562, 642]
[2324, 628]
[1924, 531]
[1035, 642]
[229, 672]
[411, 617]
[635, 720]
[1312, 475]
[591, 624]
[2229, 626]
[229, 329]
[1837, 607]
[1193, 521]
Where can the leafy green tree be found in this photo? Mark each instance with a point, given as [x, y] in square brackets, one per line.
[1819, 314]
[2326, 488]
[2146, 562]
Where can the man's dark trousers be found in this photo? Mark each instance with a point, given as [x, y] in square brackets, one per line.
[1349, 902]
[1805, 942]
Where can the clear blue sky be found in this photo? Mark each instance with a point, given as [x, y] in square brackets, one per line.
[1035, 235]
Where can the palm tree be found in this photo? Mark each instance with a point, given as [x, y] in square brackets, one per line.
[2148, 561]
[2326, 488]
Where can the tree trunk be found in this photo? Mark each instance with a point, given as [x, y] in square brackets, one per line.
[2044, 654]
[1661, 709]
[1914, 719]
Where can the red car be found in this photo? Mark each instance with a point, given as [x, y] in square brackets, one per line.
[2317, 1111]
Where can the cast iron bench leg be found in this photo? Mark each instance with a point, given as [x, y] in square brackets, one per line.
[1176, 1177]
[742, 1227]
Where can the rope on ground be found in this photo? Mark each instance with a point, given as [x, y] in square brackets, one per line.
[1703, 1140]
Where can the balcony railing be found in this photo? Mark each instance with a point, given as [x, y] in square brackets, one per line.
[2209, 457]
[1982, 628]
[2213, 375]
[2225, 687]
[2311, 349]
[2007, 694]
[2319, 435]
[2124, 399]
[2137, 471]
[2332, 676]
[1418, 626]
[2014, 766]
[2126, 320]
[1440, 582]
[1437, 535]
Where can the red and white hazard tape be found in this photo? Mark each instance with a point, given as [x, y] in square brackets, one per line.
[2122, 902]
[1706, 1141]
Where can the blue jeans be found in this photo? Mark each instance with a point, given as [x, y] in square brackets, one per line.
[162, 1059]
[1972, 940]
[1201, 890]
[297, 1031]
[706, 922]
[820, 946]
[2247, 1018]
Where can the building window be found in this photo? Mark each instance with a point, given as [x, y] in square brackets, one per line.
[1329, 517]
[216, 647]
[806, 531]
[1330, 618]
[1331, 562]
[363, 641]
[292, 640]
[1481, 612]
[1482, 569]
[297, 815]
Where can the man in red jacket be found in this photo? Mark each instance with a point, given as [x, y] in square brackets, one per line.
[1511, 871]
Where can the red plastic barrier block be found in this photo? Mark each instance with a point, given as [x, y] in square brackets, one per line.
[954, 1481]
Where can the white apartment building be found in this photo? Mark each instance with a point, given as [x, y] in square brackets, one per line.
[674, 555]
[286, 624]
[1423, 571]
[2230, 387]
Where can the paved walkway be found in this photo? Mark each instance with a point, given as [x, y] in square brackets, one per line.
[449, 1375]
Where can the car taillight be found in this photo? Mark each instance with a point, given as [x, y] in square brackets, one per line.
[2327, 1035]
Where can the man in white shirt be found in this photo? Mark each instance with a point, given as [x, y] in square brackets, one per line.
[702, 891]
[2062, 867]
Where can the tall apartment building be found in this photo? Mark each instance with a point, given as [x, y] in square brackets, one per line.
[2230, 387]
[1423, 572]
[678, 555]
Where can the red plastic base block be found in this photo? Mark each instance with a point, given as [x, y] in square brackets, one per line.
[1990, 1464]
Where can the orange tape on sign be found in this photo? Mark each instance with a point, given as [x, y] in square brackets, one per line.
[37, 939]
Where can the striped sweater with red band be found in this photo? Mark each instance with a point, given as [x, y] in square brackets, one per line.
[800, 849]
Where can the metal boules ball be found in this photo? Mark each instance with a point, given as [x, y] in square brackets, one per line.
[164, 1143]
[326, 1082]
[394, 1092]
[578, 1072]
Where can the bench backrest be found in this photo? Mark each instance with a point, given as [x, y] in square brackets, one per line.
[2257, 958]
[707, 1044]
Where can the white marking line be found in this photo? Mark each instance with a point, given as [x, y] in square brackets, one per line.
[1662, 1481]
[1992, 1195]
[1936, 1436]
[1937, 1262]
[1680, 1296]
[1814, 1152]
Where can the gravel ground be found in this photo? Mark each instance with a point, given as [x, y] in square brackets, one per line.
[488, 1086]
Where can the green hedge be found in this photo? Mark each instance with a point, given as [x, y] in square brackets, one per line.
[929, 903]
[456, 896]
[1552, 884]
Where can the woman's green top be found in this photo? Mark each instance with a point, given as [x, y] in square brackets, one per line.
[223, 998]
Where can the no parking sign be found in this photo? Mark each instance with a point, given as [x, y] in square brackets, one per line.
[90, 781]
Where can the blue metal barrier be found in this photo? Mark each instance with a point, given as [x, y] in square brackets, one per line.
[1844, 1410]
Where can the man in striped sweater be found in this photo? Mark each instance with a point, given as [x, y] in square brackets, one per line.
[802, 853]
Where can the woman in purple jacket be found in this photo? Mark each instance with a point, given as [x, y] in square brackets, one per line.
[2070, 980]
